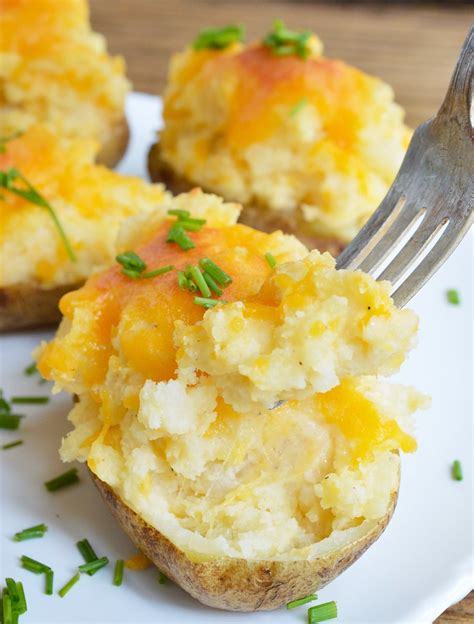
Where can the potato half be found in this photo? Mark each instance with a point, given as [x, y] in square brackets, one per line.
[239, 584]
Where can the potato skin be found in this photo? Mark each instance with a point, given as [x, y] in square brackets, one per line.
[115, 147]
[238, 584]
[26, 305]
[161, 171]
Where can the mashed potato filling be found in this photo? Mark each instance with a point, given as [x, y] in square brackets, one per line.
[314, 143]
[173, 399]
[90, 200]
[54, 70]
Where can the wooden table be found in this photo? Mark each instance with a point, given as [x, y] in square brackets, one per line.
[412, 47]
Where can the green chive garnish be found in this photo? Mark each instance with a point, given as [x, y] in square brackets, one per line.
[270, 259]
[64, 590]
[207, 303]
[49, 580]
[11, 445]
[12, 590]
[298, 106]
[162, 579]
[22, 606]
[192, 225]
[219, 38]
[178, 235]
[212, 284]
[9, 421]
[118, 572]
[28, 192]
[284, 42]
[322, 612]
[67, 478]
[4, 405]
[31, 533]
[7, 607]
[301, 601]
[29, 400]
[211, 268]
[131, 261]
[33, 566]
[453, 296]
[199, 280]
[94, 566]
[31, 369]
[457, 470]
[156, 272]
[181, 214]
[86, 550]
[183, 281]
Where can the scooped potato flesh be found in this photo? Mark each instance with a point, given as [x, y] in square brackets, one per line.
[173, 411]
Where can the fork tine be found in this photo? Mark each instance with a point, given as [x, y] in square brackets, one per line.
[412, 250]
[386, 244]
[448, 242]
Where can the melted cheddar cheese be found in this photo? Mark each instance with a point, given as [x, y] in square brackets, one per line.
[316, 142]
[174, 401]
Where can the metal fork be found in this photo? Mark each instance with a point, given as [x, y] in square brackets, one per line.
[434, 189]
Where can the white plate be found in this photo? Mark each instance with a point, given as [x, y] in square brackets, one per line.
[421, 564]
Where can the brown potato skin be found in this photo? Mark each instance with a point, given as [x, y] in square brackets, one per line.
[161, 171]
[115, 147]
[26, 305]
[238, 584]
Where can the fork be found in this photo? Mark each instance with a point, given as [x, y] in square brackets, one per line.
[432, 195]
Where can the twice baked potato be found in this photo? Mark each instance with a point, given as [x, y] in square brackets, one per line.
[89, 201]
[306, 143]
[54, 70]
[240, 432]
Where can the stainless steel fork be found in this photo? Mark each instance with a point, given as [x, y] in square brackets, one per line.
[433, 192]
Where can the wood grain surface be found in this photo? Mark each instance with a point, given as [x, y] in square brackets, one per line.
[412, 46]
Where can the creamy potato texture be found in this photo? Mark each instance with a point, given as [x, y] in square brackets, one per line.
[90, 200]
[173, 398]
[54, 70]
[314, 143]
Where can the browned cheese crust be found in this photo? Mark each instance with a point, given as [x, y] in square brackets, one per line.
[113, 150]
[238, 584]
[161, 171]
[25, 305]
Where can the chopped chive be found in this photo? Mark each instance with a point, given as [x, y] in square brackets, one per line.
[212, 284]
[284, 42]
[301, 601]
[131, 260]
[181, 214]
[322, 612]
[64, 590]
[457, 470]
[31, 194]
[211, 268]
[29, 400]
[298, 106]
[218, 38]
[35, 531]
[94, 566]
[31, 369]
[33, 566]
[118, 572]
[9, 421]
[133, 273]
[453, 296]
[7, 607]
[192, 225]
[12, 590]
[49, 580]
[86, 550]
[63, 480]
[5, 407]
[162, 579]
[156, 272]
[208, 303]
[270, 259]
[12, 444]
[22, 606]
[183, 281]
[178, 235]
[199, 280]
